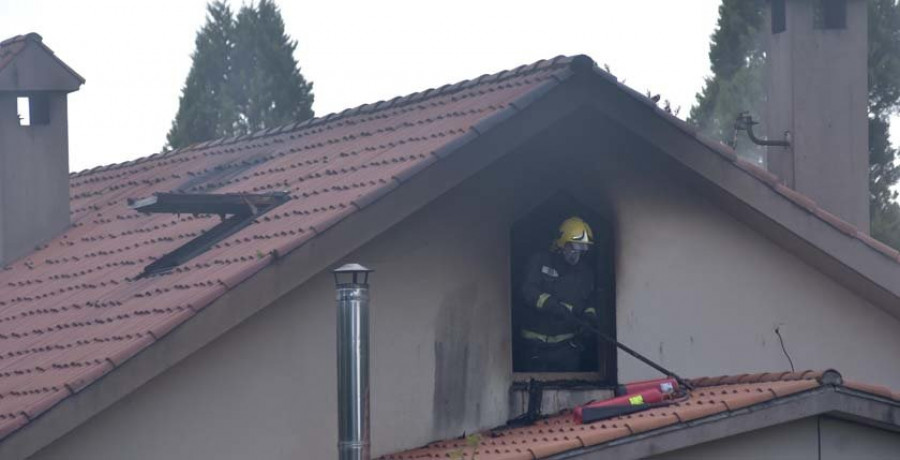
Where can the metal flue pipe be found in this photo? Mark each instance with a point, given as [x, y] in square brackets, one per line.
[353, 361]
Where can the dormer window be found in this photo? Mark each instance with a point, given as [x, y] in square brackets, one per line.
[830, 14]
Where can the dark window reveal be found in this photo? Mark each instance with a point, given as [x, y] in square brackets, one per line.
[779, 20]
[531, 239]
[831, 14]
[40, 109]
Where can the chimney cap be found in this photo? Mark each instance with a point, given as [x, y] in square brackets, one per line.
[351, 268]
[37, 68]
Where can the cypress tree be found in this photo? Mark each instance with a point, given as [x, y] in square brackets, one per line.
[206, 110]
[244, 77]
[267, 82]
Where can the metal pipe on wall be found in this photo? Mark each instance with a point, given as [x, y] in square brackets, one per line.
[353, 362]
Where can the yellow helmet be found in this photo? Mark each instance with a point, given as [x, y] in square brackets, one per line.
[574, 230]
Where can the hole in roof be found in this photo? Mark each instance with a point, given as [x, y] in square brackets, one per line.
[237, 210]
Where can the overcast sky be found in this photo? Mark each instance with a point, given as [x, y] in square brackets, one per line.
[135, 55]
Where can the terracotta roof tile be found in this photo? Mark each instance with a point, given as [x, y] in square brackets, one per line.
[72, 310]
[882, 391]
[711, 396]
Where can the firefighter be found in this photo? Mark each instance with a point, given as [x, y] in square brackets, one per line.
[558, 291]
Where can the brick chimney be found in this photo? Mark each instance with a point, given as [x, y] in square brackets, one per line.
[818, 95]
[34, 145]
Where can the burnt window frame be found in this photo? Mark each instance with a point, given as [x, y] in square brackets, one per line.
[553, 211]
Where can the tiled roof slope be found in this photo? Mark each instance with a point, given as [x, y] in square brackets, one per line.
[70, 312]
[10, 48]
[712, 396]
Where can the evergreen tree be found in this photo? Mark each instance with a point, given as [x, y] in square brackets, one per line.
[737, 55]
[206, 110]
[268, 85]
[244, 77]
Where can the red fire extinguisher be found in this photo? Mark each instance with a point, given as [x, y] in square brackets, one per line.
[621, 405]
[667, 386]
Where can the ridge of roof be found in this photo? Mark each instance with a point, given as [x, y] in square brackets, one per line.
[713, 397]
[298, 128]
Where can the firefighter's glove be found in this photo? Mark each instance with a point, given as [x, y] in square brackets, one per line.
[590, 315]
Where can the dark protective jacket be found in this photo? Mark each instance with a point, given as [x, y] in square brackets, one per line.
[550, 282]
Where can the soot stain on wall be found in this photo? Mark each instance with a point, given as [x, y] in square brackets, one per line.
[455, 357]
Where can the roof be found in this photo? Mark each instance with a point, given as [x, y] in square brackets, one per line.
[714, 401]
[74, 311]
[13, 48]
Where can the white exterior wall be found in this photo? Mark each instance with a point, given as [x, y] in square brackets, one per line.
[702, 293]
[851, 441]
[792, 441]
[814, 438]
[697, 290]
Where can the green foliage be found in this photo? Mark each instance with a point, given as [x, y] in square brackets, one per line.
[206, 110]
[473, 441]
[737, 55]
[244, 77]
[884, 101]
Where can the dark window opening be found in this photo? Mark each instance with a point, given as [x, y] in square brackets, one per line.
[779, 19]
[237, 211]
[33, 110]
[23, 111]
[531, 238]
[830, 14]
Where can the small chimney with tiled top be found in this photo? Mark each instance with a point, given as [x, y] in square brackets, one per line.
[34, 145]
[818, 102]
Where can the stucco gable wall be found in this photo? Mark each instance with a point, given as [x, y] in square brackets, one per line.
[795, 441]
[813, 438]
[703, 293]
